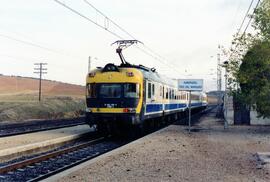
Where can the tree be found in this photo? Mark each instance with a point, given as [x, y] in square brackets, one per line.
[249, 65]
[254, 78]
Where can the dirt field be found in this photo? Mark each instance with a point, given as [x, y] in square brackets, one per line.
[211, 154]
[21, 85]
[19, 99]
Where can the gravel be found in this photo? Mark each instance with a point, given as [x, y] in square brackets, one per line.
[172, 154]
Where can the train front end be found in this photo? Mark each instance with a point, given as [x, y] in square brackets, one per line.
[114, 97]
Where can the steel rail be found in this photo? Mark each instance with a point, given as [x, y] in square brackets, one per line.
[28, 162]
[39, 129]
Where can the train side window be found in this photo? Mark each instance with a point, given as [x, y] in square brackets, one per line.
[167, 93]
[153, 89]
[163, 90]
[170, 94]
[149, 91]
[160, 91]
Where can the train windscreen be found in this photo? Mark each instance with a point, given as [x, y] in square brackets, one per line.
[110, 91]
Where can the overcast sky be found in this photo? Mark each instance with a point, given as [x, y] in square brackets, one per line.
[186, 33]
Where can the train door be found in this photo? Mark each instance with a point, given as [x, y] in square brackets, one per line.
[144, 87]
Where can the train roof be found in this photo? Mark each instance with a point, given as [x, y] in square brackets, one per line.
[151, 74]
[148, 73]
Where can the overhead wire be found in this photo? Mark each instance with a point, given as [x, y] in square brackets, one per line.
[251, 16]
[36, 45]
[152, 54]
[158, 57]
[248, 24]
[27, 43]
[246, 15]
[85, 17]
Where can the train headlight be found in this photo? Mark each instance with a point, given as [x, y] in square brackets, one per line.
[92, 74]
[88, 110]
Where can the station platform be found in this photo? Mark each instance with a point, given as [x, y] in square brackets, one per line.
[17, 145]
[172, 154]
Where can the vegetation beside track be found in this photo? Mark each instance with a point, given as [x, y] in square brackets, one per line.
[249, 63]
[22, 107]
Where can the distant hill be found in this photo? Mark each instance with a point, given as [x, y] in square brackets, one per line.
[24, 85]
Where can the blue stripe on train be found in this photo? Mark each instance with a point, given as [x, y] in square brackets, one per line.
[158, 107]
[174, 106]
[153, 107]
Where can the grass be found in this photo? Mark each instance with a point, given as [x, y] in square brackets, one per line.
[22, 107]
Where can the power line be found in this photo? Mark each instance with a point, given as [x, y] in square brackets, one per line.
[26, 42]
[118, 26]
[251, 16]
[88, 19]
[35, 45]
[250, 19]
[246, 15]
[106, 28]
[157, 57]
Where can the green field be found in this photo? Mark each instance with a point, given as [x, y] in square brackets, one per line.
[22, 107]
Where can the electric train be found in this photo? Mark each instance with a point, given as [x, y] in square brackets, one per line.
[128, 96]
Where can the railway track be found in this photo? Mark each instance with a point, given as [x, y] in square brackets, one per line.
[36, 126]
[43, 166]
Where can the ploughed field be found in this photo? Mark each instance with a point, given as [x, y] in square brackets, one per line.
[19, 99]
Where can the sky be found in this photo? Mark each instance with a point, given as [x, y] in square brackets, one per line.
[186, 34]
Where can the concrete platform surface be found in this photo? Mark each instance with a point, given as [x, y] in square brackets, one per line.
[211, 154]
[21, 143]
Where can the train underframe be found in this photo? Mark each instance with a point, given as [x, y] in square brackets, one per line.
[131, 124]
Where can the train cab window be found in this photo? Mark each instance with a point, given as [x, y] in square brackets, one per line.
[91, 90]
[131, 90]
[110, 90]
[149, 91]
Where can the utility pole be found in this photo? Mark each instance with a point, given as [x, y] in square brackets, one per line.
[189, 111]
[219, 79]
[39, 69]
[89, 64]
[226, 94]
